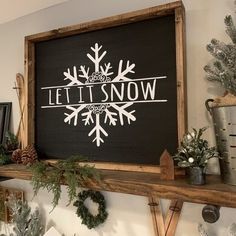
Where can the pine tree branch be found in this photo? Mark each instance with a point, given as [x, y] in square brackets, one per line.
[70, 172]
[230, 28]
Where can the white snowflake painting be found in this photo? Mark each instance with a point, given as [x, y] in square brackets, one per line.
[95, 115]
[92, 113]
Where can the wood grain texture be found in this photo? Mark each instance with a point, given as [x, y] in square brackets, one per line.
[147, 184]
[20, 90]
[165, 225]
[127, 167]
[29, 117]
[167, 166]
[172, 217]
[112, 21]
[181, 71]
[157, 218]
[140, 15]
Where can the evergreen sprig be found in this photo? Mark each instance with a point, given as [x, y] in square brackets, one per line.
[4, 157]
[71, 172]
[10, 145]
[11, 142]
[194, 151]
[230, 28]
[223, 68]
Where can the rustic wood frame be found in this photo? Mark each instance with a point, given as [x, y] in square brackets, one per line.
[176, 8]
[6, 121]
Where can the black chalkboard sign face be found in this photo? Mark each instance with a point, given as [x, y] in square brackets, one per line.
[108, 94]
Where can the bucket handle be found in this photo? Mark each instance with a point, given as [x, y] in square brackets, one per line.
[207, 104]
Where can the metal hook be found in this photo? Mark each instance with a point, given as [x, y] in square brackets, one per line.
[207, 102]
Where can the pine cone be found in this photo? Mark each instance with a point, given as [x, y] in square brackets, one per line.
[16, 156]
[29, 155]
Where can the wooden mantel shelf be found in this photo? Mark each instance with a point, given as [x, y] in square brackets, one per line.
[147, 184]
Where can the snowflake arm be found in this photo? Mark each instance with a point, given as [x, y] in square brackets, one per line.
[73, 78]
[99, 114]
[98, 130]
[110, 115]
[88, 117]
[85, 73]
[105, 70]
[96, 59]
[123, 113]
[74, 114]
[121, 74]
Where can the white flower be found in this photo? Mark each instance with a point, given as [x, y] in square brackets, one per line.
[190, 160]
[190, 136]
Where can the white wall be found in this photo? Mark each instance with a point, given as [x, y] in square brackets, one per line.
[129, 215]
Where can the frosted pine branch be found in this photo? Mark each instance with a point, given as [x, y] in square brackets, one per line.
[96, 59]
[85, 73]
[73, 78]
[105, 70]
[123, 113]
[122, 74]
[201, 230]
[110, 116]
[74, 114]
[218, 50]
[232, 230]
[221, 52]
[230, 28]
[218, 73]
[98, 130]
[223, 69]
[24, 222]
[35, 228]
[88, 117]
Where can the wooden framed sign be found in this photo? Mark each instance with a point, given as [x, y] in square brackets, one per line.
[5, 114]
[111, 90]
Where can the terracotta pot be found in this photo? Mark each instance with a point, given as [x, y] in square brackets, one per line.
[196, 175]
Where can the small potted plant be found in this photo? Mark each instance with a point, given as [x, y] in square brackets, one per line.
[194, 154]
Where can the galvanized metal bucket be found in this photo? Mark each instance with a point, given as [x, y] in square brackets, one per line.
[224, 119]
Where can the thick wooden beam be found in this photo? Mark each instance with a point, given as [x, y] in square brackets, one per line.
[146, 184]
[128, 167]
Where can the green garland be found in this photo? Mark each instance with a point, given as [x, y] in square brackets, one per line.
[88, 219]
[71, 172]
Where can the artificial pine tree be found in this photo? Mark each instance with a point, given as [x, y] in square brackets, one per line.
[25, 222]
[223, 67]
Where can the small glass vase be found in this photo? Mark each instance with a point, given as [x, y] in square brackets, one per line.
[196, 175]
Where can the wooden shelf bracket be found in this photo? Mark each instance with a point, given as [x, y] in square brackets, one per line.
[167, 226]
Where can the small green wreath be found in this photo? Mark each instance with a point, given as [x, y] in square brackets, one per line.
[88, 219]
